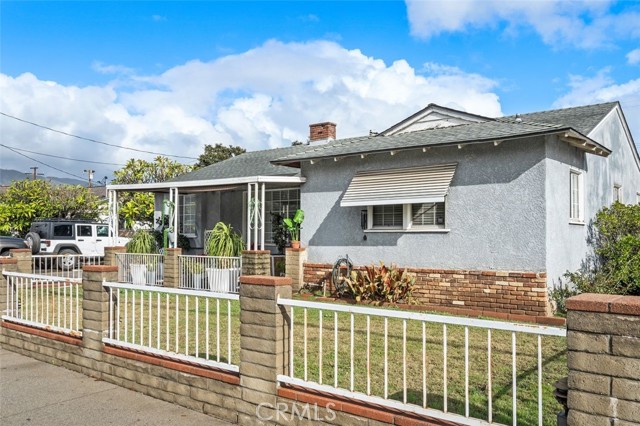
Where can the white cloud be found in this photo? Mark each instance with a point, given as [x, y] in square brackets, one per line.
[102, 68]
[602, 88]
[585, 24]
[158, 18]
[265, 97]
[633, 57]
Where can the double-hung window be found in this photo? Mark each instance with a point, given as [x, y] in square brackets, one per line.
[282, 202]
[617, 193]
[576, 197]
[188, 214]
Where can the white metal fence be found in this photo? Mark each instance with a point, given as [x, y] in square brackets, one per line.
[423, 363]
[52, 303]
[63, 265]
[194, 326]
[217, 274]
[140, 269]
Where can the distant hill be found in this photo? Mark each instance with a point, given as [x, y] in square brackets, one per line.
[7, 176]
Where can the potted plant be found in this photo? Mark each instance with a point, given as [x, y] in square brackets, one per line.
[142, 242]
[224, 243]
[293, 225]
[195, 269]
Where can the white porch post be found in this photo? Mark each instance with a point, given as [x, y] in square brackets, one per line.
[248, 216]
[113, 216]
[175, 200]
[255, 215]
[262, 203]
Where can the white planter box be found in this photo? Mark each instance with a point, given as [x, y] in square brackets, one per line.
[223, 280]
[138, 274]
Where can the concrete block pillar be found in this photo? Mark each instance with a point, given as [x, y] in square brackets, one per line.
[95, 306]
[256, 262]
[172, 267]
[25, 260]
[603, 341]
[294, 266]
[110, 254]
[10, 265]
[264, 337]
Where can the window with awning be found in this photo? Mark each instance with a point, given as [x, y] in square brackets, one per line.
[412, 185]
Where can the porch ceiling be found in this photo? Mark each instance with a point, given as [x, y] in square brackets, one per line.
[207, 185]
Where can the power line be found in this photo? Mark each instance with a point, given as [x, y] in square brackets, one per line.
[93, 140]
[57, 156]
[44, 164]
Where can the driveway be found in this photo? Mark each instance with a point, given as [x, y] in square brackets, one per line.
[39, 394]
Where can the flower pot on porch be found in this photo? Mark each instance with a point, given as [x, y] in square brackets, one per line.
[198, 280]
[295, 244]
[138, 273]
[223, 280]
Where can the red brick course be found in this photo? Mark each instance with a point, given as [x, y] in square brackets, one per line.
[514, 293]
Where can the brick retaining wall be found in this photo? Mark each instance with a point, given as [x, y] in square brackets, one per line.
[515, 293]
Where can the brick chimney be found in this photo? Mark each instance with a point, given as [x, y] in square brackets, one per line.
[322, 132]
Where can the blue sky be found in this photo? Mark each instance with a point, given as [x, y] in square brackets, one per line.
[171, 76]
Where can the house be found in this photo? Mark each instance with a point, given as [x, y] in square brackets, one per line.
[488, 212]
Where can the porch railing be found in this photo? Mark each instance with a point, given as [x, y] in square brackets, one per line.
[217, 274]
[140, 269]
[42, 301]
[421, 363]
[194, 326]
[63, 265]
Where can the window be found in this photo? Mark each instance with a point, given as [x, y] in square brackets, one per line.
[84, 230]
[419, 216]
[390, 216]
[427, 215]
[575, 199]
[62, 231]
[102, 231]
[282, 202]
[617, 193]
[188, 214]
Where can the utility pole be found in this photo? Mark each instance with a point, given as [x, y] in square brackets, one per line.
[89, 173]
[35, 172]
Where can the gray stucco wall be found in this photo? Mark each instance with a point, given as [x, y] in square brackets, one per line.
[495, 210]
[567, 243]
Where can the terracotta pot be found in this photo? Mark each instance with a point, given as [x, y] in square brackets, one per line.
[295, 244]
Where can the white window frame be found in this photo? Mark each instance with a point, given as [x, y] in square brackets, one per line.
[579, 217]
[407, 222]
[617, 192]
[268, 234]
[188, 218]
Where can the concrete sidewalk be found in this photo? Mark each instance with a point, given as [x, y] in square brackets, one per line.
[39, 394]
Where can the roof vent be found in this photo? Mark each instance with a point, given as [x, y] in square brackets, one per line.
[518, 118]
[322, 132]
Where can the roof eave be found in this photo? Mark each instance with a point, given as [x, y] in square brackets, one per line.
[150, 187]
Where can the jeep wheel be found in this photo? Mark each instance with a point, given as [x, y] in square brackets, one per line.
[67, 259]
[33, 241]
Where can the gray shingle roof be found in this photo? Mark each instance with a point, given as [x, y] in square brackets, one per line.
[254, 163]
[582, 119]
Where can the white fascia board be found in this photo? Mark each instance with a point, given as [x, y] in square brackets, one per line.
[205, 183]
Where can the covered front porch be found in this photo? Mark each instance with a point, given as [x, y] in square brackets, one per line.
[191, 208]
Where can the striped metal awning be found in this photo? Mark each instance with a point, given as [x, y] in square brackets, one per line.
[425, 184]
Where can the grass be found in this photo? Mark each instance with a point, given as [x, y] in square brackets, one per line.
[146, 330]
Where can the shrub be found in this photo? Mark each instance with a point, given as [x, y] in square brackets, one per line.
[381, 284]
[142, 242]
[613, 265]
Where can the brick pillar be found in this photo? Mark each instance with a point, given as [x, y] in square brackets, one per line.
[25, 260]
[603, 339]
[10, 265]
[294, 266]
[110, 254]
[172, 267]
[95, 307]
[264, 336]
[256, 262]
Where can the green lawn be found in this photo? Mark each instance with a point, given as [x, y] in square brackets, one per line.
[143, 331]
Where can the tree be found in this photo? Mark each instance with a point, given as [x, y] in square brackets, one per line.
[26, 200]
[138, 206]
[217, 153]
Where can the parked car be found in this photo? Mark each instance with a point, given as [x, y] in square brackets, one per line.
[8, 243]
[64, 236]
